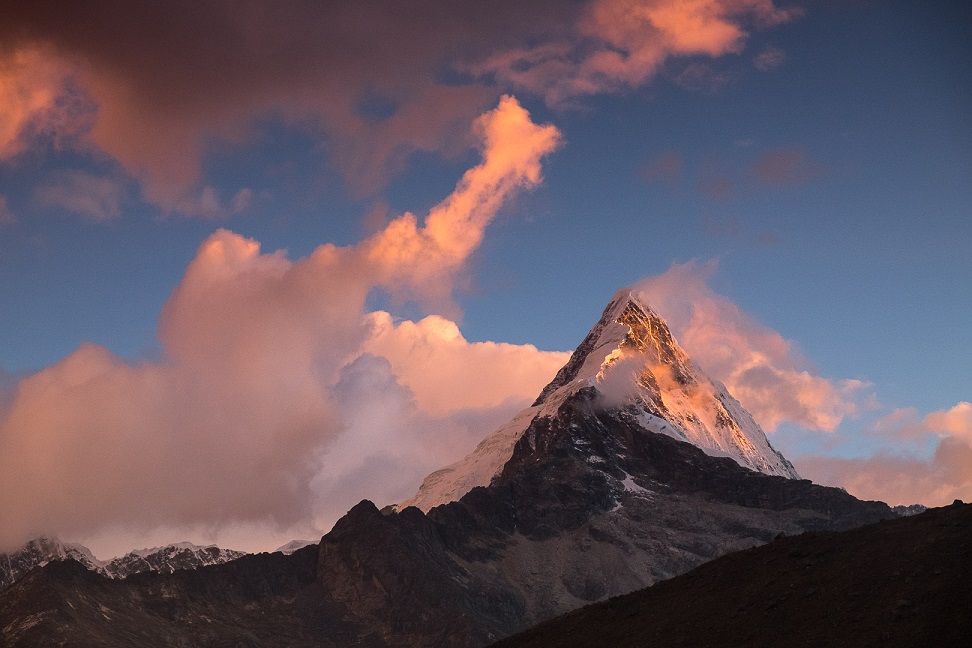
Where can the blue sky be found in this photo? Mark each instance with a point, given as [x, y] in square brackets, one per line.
[820, 161]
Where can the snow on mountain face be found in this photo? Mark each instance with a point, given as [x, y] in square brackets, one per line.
[40, 551]
[174, 557]
[635, 365]
[293, 546]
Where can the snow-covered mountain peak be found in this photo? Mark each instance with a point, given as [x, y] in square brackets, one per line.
[628, 329]
[630, 364]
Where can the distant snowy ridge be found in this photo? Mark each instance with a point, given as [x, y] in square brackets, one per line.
[293, 546]
[635, 366]
[167, 559]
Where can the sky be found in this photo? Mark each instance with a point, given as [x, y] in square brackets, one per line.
[259, 261]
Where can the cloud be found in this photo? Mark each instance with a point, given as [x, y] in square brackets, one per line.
[762, 369]
[207, 203]
[270, 403]
[787, 167]
[97, 198]
[7, 217]
[35, 91]
[622, 44]
[422, 257]
[157, 86]
[933, 480]
[447, 373]
[769, 59]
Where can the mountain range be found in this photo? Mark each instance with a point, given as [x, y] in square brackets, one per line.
[167, 559]
[630, 468]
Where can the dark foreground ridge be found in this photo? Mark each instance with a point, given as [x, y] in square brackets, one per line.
[902, 582]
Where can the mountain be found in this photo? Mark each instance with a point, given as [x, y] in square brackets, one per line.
[294, 545]
[899, 583]
[167, 559]
[631, 467]
[631, 363]
[39, 552]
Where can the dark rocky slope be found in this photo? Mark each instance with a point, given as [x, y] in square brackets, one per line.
[902, 582]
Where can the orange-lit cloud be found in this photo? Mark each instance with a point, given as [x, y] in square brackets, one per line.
[271, 402]
[934, 481]
[34, 84]
[424, 256]
[159, 87]
[447, 373]
[626, 42]
[759, 366]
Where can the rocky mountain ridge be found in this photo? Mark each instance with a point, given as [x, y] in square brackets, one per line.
[179, 556]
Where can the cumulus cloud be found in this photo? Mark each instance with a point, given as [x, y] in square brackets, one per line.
[154, 86]
[935, 480]
[271, 402]
[762, 369]
[97, 198]
[447, 373]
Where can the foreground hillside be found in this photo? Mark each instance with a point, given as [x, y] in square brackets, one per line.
[905, 582]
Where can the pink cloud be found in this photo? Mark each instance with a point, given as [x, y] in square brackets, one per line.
[447, 373]
[33, 84]
[270, 404]
[762, 369]
[626, 42]
[934, 481]
[156, 86]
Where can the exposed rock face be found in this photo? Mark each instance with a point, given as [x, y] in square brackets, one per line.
[632, 467]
